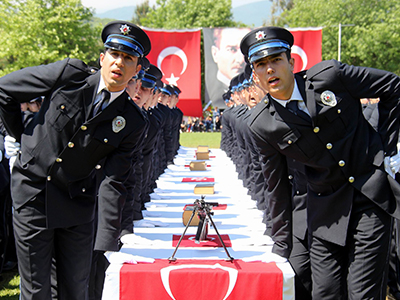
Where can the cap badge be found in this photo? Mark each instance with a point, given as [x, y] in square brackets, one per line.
[125, 29]
[118, 124]
[260, 35]
[328, 98]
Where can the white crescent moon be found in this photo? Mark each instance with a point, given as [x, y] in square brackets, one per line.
[299, 51]
[232, 273]
[173, 51]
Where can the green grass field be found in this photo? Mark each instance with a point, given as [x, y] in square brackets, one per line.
[9, 285]
[194, 139]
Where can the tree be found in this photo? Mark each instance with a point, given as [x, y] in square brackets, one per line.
[179, 14]
[279, 6]
[141, 12]
[370, 29]
[34, 32]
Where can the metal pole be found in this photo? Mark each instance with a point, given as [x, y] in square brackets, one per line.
[339, 40]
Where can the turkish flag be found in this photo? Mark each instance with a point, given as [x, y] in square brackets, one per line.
[198, 179]
[177, 54]
[202, 279]
[307, 47]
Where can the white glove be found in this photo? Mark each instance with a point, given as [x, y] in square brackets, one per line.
[148, 223]
[150, 214]
[395, 163]
[266, 258]
[134, 239]
[154, 205]
[11, 162]
[392, 164]
[125, 258]
[11, 146]
[388, 170]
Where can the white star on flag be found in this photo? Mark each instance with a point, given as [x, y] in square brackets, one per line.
[173, 80]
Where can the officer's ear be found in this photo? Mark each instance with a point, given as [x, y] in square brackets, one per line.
[101, 58]
[138, 68]
[291, 62]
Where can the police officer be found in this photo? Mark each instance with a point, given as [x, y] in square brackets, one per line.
[85, 117]
[349, 192]
[177, 119]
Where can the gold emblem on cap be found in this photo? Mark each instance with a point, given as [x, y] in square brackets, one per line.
[260, 35]
[118, 124]
[328, 98]
[125, 29]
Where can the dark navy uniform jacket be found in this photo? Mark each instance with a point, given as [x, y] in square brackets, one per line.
[63, 145]
[339, 148]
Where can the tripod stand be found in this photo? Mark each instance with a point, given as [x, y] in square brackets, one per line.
[203, 210]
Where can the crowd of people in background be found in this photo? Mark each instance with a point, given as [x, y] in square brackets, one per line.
[210, 123]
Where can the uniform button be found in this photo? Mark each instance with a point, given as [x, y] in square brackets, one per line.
[289, 142]
[62, 106]
[129, 98]
[71, 144]
[105, 140]
[305, 76]
[329, 146]
[351, 179]
[145, 136]
[339, 111]
[83, 127]
[316, 129]
[83, 190]
[266, 101]
[48, 178]
[298, 192]
[93, 71]
[290, 177]
[341, 163]
[98, 167]
[58, 159]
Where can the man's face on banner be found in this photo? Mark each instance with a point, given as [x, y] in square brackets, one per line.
[226, 50]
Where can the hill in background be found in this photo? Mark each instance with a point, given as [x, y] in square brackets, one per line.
[252, 14]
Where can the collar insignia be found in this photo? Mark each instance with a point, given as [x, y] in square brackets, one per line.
[328, 98]
[118, 124]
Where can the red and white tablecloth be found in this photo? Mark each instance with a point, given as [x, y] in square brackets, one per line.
[201, 279]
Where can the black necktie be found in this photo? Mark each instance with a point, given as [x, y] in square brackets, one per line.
[293, 107]
[98, 107]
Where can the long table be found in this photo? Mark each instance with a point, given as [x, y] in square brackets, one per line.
[201, 270]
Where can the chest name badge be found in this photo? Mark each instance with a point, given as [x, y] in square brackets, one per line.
[118, 124]
[328, 98]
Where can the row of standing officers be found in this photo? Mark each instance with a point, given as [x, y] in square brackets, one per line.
[80, 166]
[324, 175]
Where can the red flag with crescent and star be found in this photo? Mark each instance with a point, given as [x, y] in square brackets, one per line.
[307, 47]
[177, 54]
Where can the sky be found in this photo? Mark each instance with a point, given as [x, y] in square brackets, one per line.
[104, 5]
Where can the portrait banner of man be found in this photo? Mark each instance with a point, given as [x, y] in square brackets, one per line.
[223, 60]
